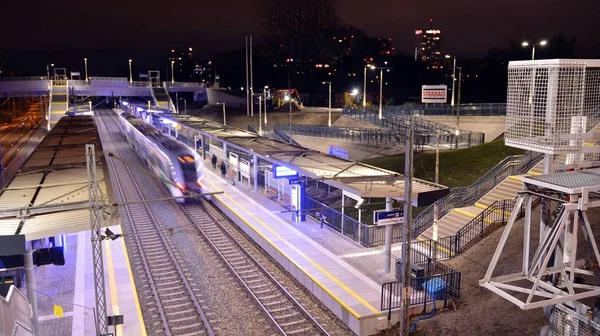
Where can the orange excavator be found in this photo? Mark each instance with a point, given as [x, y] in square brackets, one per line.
[283, 97]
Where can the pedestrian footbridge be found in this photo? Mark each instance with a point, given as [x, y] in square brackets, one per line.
[55, 93]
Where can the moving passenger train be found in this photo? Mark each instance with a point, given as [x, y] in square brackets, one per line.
[166, 157]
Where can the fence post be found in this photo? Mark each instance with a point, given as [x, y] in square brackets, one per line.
[503, 206]
[482, 222]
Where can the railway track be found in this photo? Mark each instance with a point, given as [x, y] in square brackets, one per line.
[176, 306]
[285, 313]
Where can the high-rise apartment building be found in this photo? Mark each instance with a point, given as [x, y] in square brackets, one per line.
[427, 48]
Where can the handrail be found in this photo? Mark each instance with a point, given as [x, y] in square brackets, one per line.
[110, 79]
[187, 85]
[23, 78]
[448, 247]
[466, 196]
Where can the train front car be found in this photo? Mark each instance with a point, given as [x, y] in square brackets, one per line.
[179, 168]
[188, 170]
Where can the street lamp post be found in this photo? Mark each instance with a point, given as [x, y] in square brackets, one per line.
[48, 69]
[458, 99]
[288, 99]
[329, 110]
[86, 73]
[380, 93]
[380, 87]
[453, 79]
[172, 72]
[130, 73]
[260, 114]
[224, 114]
[541, 43]
[266, 93]
[364, 102]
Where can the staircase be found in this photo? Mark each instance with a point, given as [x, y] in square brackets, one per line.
[59, 102]
[456, 219]
[16, 314]
[162, 98]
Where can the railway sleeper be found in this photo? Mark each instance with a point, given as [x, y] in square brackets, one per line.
[274, 303]
[182, 312]
[299, 331]
[195, 329]
[178, 306]
[292, 323]
[269, 297]
[285, 316]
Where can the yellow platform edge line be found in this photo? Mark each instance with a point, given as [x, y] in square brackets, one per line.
[315, 264]
[515, 178]
[112, 284]
[136, 300]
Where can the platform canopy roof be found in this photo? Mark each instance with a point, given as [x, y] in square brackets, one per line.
[352, 177]
[49, 194]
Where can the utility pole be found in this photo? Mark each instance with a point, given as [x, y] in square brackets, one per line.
[436, 209]
[406, 236]
[247, 81]
[101, 322]
[251, 82]
[260, 114]
[458, 99]
[381, 93]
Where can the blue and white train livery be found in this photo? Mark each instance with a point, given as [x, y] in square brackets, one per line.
[166, 157]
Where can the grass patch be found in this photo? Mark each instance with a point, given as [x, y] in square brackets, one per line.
[458, 168]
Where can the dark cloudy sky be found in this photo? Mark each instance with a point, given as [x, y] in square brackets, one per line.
[36, 32]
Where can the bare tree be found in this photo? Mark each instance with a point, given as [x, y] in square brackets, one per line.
[298, 24]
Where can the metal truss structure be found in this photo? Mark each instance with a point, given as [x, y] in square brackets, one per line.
[554, 274]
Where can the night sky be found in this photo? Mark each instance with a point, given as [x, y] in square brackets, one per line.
[34, 33]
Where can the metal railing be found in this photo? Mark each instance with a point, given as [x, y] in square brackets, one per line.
[467, 196]
[343, 224]
[566, 321]
[425, 272]
[375, 136]
[491, 109]
[448, 247]
[431, 130]
[109, 79]
[185, 85]
[23, 78]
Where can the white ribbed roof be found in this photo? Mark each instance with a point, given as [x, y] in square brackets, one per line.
[51, 188]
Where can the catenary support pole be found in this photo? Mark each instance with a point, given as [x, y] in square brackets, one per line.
[251, 82]
[406, 237]
[247, 81]
[255, 172]
[31, 288]
[96, 237]
[388, 239]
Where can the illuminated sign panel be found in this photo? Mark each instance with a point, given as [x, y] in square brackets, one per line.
[434, 94]
[433, 31]
[282, 171]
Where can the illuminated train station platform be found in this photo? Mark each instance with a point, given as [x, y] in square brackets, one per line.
[351, 294]
[47, 203]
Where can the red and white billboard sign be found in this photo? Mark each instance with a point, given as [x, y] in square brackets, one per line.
[434, 94]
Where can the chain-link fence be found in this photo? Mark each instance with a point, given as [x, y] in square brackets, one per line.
[567, 322]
